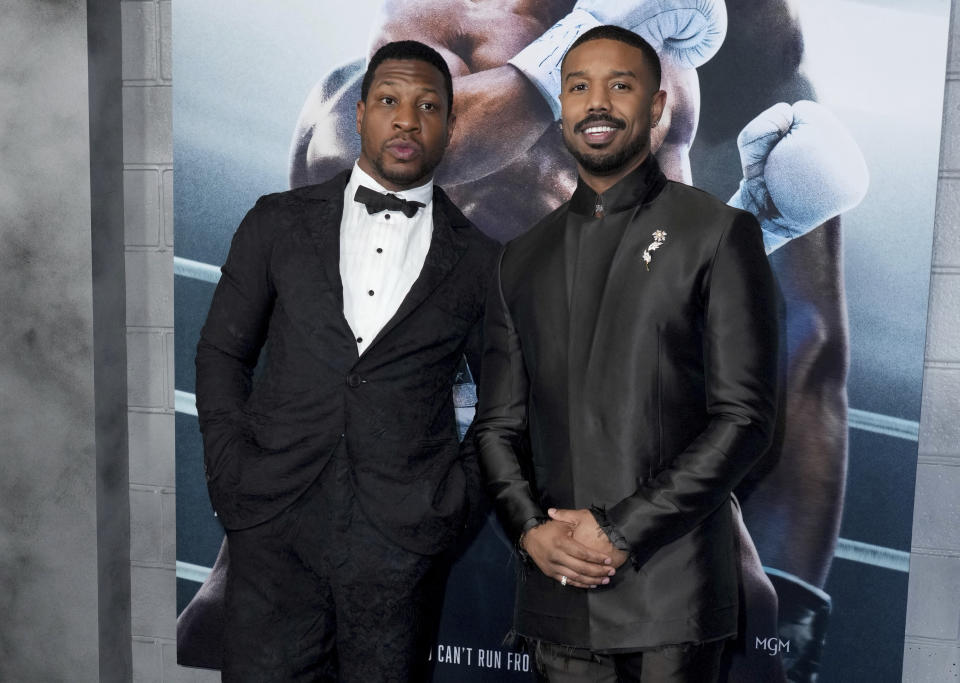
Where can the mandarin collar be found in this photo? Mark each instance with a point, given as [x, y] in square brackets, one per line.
[420, 193]
[639, 186]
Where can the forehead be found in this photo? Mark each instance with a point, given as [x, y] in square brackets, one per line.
[602, 56]
[409, 72]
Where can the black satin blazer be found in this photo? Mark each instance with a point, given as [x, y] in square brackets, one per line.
[654, 413]
[265, 444]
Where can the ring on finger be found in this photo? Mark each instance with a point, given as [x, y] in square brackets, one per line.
[563, 580]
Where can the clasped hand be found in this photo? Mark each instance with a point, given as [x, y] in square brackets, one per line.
[572, 545]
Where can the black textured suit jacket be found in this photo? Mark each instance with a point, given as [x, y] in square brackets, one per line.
[654, 413]
[264, 444]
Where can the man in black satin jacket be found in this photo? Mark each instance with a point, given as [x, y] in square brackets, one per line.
[630, 382]
[338, 474]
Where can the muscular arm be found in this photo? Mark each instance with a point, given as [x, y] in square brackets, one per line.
[794, 510]
[793, 504]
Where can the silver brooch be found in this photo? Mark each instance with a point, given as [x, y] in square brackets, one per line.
[659, 237]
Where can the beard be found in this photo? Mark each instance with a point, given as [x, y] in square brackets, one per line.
[407, 175]
[404, 175]
[603, 162]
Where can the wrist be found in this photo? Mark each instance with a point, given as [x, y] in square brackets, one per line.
[527, 527]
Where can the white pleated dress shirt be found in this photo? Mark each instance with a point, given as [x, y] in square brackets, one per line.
[381, 255]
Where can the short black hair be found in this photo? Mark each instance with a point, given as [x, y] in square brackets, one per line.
[610, 32]
[408, 49]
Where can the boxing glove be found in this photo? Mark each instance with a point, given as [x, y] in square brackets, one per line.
[685, 32]
[801, 167]
[802, 620]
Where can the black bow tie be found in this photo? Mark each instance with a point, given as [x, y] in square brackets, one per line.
[377, 202]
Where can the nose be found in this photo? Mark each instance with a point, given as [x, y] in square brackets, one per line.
[599, 100]
[405, 117]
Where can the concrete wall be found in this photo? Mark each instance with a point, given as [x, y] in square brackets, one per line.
[148, 217]
[64, 525]
[932, 647]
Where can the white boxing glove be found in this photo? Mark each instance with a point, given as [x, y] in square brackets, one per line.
[801, 167]
[686, 33]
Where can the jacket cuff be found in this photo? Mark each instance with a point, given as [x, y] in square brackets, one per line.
[531, 523]
[618, 540]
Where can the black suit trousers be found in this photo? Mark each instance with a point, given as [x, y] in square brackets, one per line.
[318, 594]
[685, 663]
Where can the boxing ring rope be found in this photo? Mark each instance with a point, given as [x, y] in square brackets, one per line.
[883, 424]
[192, 572]
[853, 551]
[185, 402]
[195, 270]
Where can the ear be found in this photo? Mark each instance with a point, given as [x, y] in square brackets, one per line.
[656, 106]
[360, 109]
[451, 124]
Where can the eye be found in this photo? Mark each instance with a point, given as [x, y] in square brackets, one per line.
[428, 106]
[620, 86]
[386, 99]
[578, 87]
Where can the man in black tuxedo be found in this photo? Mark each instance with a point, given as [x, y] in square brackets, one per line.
[337, 473]
[630, 382]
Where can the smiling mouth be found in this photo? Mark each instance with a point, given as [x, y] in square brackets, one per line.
[597, 130]
[599, 135]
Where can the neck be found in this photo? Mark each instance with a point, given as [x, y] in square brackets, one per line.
[602, 183]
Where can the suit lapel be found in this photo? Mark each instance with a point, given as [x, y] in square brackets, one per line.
[446, 249]
[322, 222]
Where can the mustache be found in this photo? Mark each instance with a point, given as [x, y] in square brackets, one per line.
[599, 118]
[402, 140]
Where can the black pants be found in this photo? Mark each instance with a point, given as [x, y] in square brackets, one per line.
[318, 594]
[670, 664]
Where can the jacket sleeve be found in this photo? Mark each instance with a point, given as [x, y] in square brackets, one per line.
[501, 424]
[230, 343]
[740, 355]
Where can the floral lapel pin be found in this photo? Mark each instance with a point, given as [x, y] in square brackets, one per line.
[659, 237]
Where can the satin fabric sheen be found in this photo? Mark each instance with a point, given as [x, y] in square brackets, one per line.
[651, 398]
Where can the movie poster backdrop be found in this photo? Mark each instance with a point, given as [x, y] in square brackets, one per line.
[264, 100]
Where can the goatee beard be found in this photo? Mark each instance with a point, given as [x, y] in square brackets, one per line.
[601, 163]
[407, 177]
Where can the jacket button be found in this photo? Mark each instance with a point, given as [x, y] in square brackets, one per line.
[353, 381]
